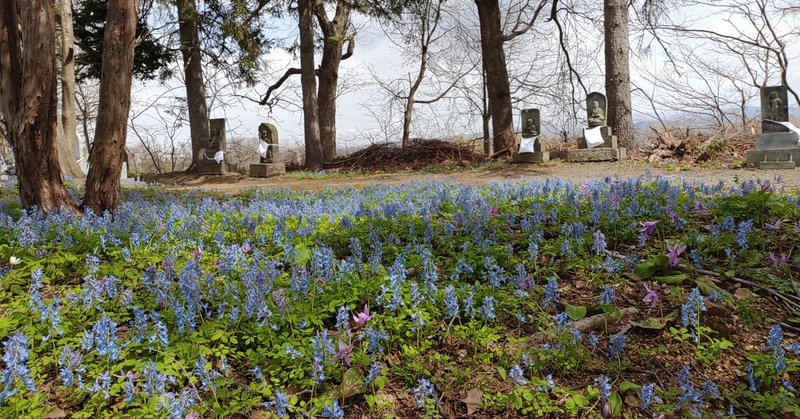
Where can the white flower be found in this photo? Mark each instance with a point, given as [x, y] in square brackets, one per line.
[13, 261]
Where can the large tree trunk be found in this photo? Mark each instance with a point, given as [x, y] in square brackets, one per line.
[618, 75]
[105, 159]
[68, 145]
[28, 100]
[497, 84]
[308, 80]
[333, 33]
[195, 84]
[5, 145]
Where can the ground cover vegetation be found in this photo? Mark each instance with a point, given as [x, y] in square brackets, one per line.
[613, 298]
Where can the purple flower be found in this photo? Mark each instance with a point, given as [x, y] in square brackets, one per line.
[673, 252]
[362, 317]
[774, 226]
[651, 296]
[344, 353]
[647, 227]
[782, 260]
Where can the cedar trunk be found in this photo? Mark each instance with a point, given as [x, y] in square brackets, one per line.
[326, 101]
[618, 75]
[333, 38]
[69, 146]
[28, 101]
[195, 84]
[497, 84]
[308, 81]
[105, 159]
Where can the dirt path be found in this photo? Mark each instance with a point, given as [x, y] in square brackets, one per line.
[576, 172]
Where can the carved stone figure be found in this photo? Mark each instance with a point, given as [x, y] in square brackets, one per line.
[596, 109]
[268, 150]
[532, 125]
[774, 107]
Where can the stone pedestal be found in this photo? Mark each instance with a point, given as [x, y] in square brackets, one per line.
[539, 155]
[267, 169]
[535, 157]
[608, 151]
[212, 168]
[776, 141]
[754, 157]
[776, 165]
[596, 154]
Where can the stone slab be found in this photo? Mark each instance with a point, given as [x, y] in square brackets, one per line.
[267, 169]
[594, 154]
[774, 106]
[212, 168]
[776, 141]
[756, 156]
[609, 140]
[535, 157]
[776, 165]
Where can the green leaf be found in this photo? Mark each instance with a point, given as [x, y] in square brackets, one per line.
[575, 312]
[614, 315]
[706, 285]
[653, 323]
[616, 404]
[502, 372]
[352, 383]
[644, 270]
[671, 279]
[627, 385]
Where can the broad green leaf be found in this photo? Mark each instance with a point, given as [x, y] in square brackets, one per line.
[653, 323]
[671, 279]
[627, 385]
[575, 312]
[616, 404]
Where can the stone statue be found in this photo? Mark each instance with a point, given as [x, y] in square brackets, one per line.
[268, 143]
[530, 128]
[213, 139]
[596, 116]
[775, 102]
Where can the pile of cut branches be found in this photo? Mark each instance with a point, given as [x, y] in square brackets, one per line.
[695, 148]
[418, 154]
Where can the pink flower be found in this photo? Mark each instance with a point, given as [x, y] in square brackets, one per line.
[700, 208]
[344, 353]
[651, 296]
[774, 226]
[673, 216]
[198, 253]
[782, 260]
[493, 212]
[362, 317]
[673, 253]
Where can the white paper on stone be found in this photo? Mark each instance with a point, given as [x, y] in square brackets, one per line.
[526, 145]
[263, 147]
[593, 137]
[789, 125]
[219, 156]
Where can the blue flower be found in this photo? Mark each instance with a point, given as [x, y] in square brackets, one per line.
[374, 372]
[102, 385]
[561, 320]
[487, 309]
[617, 345]
[516, 374]
[752, 382]
[424, 393]
[333, 411]
[607, 296]
[551, 293]
[604, 385]
[646, 393]
[599, 245]
[775, 338]
[450, 302]
[279, 403]
[593, 341]
[547, 384]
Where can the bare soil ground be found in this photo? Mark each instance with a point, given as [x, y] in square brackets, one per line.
[575, 172]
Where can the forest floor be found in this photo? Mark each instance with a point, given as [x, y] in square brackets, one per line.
[477, 175]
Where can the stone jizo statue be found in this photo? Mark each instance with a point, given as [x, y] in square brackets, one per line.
[596, 117]
[775, 102]
[530, 128]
